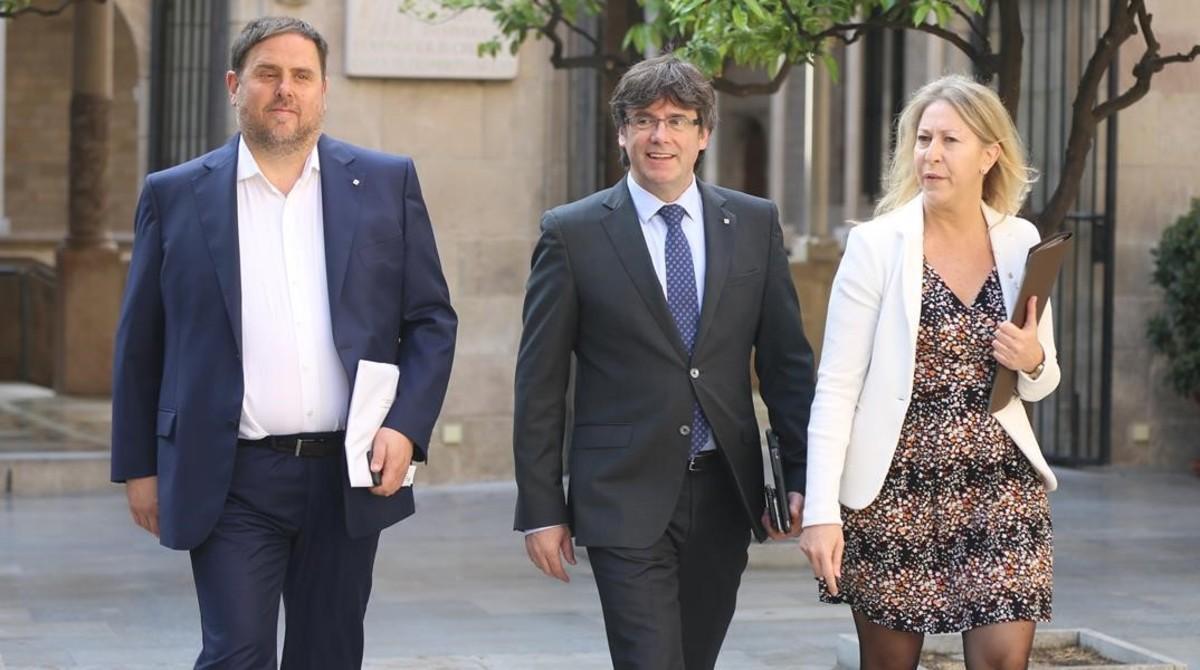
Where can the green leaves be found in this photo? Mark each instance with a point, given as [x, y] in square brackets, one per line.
[939, 9]
[12, 8]
[740, 20]
[642, 36]
[1175, 332]
[759, 33]
[757, 10]
[713, 33]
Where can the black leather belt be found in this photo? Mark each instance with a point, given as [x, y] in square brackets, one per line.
[307, 445]
[704, 460]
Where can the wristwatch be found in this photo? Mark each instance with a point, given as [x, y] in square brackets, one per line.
[1037, 372]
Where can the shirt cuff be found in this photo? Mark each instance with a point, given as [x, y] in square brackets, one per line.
[531, 531]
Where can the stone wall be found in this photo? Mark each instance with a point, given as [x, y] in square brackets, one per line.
[1158, 141]
[37, 100]
[27, 293]
[813, 278]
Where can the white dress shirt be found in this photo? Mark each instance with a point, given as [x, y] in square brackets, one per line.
[655, 230]
[294, 381]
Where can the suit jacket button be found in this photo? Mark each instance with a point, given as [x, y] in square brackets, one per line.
[695, 373]
[685, 430]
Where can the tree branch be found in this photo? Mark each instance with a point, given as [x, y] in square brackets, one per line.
[791, 13]
[557, 16]
[1147, 66]
[952, 37]
[1188, 57]
[733, 88]
[839, 31]
[896, 19]
[1008, 61]
[848, 33]
[39, 11]
[1085, 118]
[983, 38]
[596, 59]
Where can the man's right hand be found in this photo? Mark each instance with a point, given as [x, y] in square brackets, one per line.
[143, 502]
[823, 545]
[547, 548]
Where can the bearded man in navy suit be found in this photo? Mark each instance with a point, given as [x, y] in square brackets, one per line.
[262, 273]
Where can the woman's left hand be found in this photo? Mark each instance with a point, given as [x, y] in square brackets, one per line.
[1018, 348]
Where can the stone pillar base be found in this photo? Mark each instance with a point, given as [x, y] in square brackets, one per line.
[813, 269]
[88, 298]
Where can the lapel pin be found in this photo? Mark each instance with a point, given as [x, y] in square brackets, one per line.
[355, 182]
[725, 221]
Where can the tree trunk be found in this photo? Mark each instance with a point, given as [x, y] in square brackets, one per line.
[617, 19]
[1079, 145]
[1012, 44]
[1084, 122]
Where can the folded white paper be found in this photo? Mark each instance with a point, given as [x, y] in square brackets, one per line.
[374, 391]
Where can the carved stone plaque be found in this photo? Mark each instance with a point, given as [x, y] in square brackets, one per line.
[381, 41]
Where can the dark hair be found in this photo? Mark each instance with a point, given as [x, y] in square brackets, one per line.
[269, 26]
[663, 78]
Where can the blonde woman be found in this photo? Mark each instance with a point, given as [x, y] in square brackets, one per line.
[943, 524]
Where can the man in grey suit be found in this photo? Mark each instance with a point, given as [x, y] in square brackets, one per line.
[661, 287]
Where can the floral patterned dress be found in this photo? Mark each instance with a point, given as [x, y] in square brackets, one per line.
[960, 535]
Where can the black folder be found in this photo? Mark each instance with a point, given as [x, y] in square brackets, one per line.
[1041, 269]
[776, 496]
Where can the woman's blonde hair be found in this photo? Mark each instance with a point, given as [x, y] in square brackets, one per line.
[1005, 185]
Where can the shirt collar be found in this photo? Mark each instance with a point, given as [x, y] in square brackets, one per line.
[247, 167]
[647, 204]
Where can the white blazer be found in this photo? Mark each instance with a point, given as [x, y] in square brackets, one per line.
[865, 380]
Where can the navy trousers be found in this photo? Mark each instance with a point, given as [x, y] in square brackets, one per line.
[283, 535]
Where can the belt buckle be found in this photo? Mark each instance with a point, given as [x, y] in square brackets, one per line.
[692, 465]
[299, 443]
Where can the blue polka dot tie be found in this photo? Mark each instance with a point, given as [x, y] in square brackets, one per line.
[684, 304]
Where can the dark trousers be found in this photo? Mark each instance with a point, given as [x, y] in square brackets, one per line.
[668, 606]
[283, 534]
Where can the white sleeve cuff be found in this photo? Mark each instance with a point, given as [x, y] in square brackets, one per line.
[531, 531]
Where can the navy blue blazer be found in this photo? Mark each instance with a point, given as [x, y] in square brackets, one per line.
[177, 372]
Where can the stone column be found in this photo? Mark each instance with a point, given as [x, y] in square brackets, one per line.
[5, 224]
[821, 90]
[88, 262]
[853, 76]
[788, 172]
[712, 155]
[935, 59]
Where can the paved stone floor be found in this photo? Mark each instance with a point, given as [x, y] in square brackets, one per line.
[81, 587]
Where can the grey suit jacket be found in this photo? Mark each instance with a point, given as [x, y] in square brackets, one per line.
[592, 293]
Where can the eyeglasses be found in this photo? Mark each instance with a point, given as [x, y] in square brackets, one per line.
[676, 124]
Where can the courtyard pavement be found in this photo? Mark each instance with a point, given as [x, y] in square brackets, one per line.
[82, 587]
